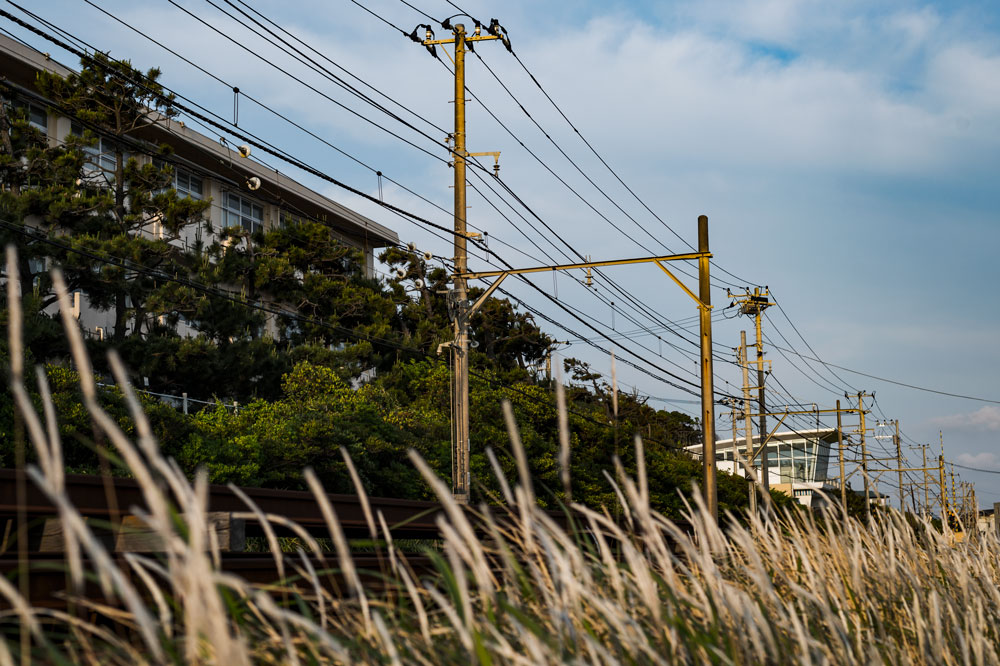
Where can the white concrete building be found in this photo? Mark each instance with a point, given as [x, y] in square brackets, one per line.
[205, 168]
[798, 461]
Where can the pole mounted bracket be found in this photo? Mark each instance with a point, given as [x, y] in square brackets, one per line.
[659, 261]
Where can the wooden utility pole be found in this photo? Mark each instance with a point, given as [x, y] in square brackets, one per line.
[460, 446]
[954, 500]
[864, 456]
[944, 491]
[923, 456]
[754, 305]
[745, 365]
[707, 389]
[899, 466]
[840, 452]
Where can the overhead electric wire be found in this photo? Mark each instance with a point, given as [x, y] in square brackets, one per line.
[303, 128]
[240, 134]
[209, 1]
[335, 64]
[216, 293]
[601, 158]
[397, 213]
[353, 112]
[513, 97]
[797, 332]
[899, 383]
[329, 178]
[283, 41]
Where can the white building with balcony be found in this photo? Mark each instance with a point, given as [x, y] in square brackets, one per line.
[798, 461]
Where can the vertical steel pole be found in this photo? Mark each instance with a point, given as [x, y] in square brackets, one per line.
[840, 452]
[745, 365]
[460, 350]
[899, 466]
[707, 389]
[927, 501]
[764, 464]
[864, 458]
[944, 492]
[954, 500]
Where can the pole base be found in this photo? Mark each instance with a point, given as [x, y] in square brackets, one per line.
[461, 498]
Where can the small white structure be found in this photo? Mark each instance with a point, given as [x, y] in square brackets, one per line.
[798, 461]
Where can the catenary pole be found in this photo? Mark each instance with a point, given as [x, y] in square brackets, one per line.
[899, 466]
[707, 389]
[840, 453]
[745, 366]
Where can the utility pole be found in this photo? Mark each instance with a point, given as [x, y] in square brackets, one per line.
[864, 456]
[840, 451]
[899, 466]
[954, 500]
[923, 455]
[460, 446]
[975, 511]
[944, 492]
[703, 256]
[745, 365]
[707, 389]
[754, 305]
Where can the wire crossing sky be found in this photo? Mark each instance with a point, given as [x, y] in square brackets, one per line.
[845, 154]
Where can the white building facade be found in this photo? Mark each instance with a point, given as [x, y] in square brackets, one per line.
[242, 192]
[798, 462]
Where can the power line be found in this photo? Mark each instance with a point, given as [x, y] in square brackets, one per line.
[216, 293]
[257, 33]
[898, 383]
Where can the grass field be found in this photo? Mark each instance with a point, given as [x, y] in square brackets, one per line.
[625, 585]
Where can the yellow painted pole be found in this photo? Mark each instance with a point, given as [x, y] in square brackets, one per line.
[899, 466]
[707, 389]
[745, 365]
[864, 458]
[765, 474]
[944, 492]
[840, 450]
[460, 349]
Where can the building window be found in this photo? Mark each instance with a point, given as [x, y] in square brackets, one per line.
[101, 155]
[38, 118]
[36, 115]
[239, 211]
[188, 184]
[287, 219]
[803, 493]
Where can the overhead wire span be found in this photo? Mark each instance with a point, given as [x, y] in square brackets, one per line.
[319, 92]
[320, 174]
[239, 300]
[271, 32]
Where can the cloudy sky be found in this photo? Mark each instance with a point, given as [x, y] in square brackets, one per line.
[847, 155]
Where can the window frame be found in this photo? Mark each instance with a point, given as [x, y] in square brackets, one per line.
[242, 219]
[101, 156]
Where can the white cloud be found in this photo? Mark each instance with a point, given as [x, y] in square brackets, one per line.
[984, 460]
[986, 418]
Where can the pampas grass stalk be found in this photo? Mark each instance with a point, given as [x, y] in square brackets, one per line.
[624, 584]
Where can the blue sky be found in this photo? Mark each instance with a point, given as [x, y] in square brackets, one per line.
[847, 156]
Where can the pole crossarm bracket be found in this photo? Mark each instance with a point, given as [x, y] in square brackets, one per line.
[468, 38]
[474, 308]
[763, 445]
[587, 264]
